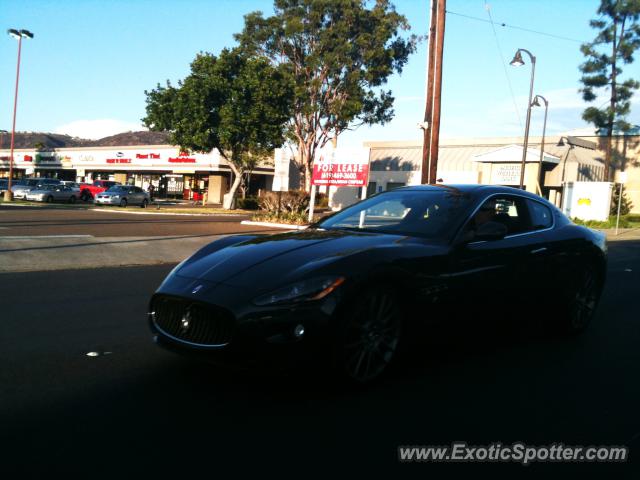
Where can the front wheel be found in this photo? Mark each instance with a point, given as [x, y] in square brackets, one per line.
[369, 337]
[50, 199]
[123, 203]
[582, 301]
[72, 199]
[144, 203]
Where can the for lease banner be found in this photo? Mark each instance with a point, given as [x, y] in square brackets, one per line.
[342, 168]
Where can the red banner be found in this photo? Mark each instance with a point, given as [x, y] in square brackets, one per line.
[340, 174]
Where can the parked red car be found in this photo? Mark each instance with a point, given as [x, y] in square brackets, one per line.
[89, 191]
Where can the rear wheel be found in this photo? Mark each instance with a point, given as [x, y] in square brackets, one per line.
[50, 199]
[369, 337]
[72, 199]
[144, 203]
[85, 196]
[123, 203]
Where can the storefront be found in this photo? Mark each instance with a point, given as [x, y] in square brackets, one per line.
[162, 169]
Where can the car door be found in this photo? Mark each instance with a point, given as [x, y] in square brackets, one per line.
[488, 269]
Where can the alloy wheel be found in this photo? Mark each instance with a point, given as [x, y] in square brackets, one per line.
[371, 337]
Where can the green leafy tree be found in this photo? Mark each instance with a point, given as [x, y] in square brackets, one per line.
[339, 54]
[231, 103]
[617, 39]
[625, 206]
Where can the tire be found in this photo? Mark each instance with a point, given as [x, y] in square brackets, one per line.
[144, 203]
[72, 199]
[85, 196]
[123, 203]
[49, 199]
[368, 339]
[582, 301]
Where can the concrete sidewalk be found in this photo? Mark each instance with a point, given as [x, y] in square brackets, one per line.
[623, 234]
[26, 254]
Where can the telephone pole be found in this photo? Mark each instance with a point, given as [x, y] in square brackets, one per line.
[431, 125]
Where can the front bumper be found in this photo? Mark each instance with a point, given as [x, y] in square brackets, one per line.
[107, 200]
[260, 336]
[35, 198]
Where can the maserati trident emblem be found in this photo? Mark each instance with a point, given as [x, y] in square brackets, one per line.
[185, 322]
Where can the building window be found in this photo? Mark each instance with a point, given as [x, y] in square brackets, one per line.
[392, 185]
[371, 188]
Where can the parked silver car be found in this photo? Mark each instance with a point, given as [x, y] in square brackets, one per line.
[123, 195]
[22, 187]
[52, 193]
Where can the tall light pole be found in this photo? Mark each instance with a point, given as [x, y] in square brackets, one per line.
[536, 103]
[517, 62]
[18, 34]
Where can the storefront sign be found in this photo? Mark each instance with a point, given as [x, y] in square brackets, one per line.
[182, 160]
[118, 160]
[342, 168]
[144, 156]
[505, 174]
[28, 158]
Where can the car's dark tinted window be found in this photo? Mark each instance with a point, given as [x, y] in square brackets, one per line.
[541, 216]
[427, 213]
[506, 209]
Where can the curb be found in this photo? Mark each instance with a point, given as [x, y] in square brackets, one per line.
[146, 212]
[274, 225]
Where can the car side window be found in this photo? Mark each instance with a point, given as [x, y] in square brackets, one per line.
[509, 210]
[541, 215]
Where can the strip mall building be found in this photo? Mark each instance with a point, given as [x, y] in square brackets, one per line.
[392, 164]
[173, 173]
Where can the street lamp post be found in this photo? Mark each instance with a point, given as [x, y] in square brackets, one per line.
[18, 34]
[536, 103]
[517, 62]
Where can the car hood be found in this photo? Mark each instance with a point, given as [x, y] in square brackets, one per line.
[279, 257]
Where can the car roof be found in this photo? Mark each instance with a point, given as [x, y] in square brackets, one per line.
[472, 189]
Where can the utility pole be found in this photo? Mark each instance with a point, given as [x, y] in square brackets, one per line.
[431, 138]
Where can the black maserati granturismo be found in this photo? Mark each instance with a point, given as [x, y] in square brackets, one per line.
[349, 288]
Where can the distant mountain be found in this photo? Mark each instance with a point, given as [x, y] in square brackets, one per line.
[134, 138]
[56, 140]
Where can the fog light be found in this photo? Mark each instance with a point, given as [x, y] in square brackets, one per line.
[298, 331]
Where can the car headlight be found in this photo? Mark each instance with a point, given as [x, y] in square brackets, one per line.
[312, 289]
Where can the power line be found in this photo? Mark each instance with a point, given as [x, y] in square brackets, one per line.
[515, 27]
[503, 63]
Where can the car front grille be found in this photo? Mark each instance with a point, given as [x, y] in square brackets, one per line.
[192, 322]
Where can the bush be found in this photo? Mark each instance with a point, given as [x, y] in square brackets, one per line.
[293, 201]
[635, 218]
[249, 203]
[611, 223]
[294, 218]
[322, 200]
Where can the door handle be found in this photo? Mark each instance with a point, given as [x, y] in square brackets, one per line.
[538, 250]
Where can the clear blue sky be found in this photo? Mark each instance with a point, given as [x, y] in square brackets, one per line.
[86, 70]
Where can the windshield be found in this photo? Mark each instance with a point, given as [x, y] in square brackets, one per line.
[116, 189]
[421, 213]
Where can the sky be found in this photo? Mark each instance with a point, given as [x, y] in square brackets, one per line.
[86, 70]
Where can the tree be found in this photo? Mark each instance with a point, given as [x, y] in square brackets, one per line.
[231, 103]
[625, 207]
[338, 54]
[617, 39]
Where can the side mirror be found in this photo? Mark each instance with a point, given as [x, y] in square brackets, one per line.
[490, 231]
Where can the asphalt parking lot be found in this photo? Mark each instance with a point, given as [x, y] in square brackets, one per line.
[137, 410]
